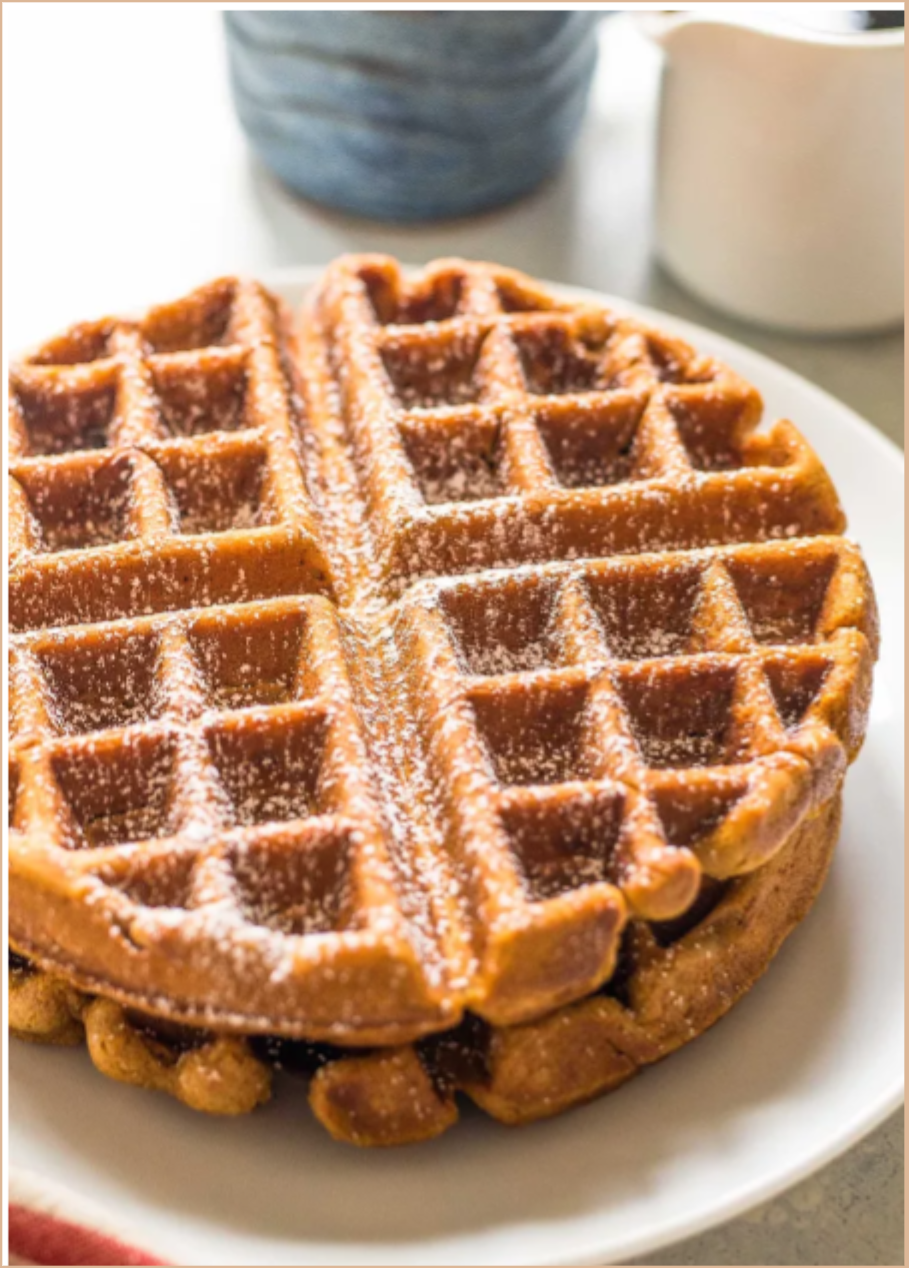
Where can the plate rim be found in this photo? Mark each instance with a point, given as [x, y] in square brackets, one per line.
[710, 1213]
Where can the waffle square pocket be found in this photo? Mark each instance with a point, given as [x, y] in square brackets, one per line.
[443, 691]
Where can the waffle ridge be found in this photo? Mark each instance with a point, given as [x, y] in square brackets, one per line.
[153, 471]
[386, 674]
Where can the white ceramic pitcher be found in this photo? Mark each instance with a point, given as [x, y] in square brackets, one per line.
[780, 167]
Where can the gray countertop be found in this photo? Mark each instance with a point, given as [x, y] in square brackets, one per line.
[851, 1212]
[186, 201]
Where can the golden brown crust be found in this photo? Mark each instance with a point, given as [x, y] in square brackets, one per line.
[403, 1095]
[799, 712]
[589, 1048]
[386, 1098]
[221, 1076]
[413, 667]
[43, 1008]
[211, 1073]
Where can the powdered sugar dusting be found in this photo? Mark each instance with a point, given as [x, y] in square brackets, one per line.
[359, 669]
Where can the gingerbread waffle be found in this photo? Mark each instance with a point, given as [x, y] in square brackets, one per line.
[492, 425]
[154, 466]
[672, 980]
[449, 673]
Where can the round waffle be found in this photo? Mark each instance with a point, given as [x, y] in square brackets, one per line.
[444, 667]
[672, 980]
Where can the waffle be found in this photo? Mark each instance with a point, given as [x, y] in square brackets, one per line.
[155, 467]
[493, 425]
[672, 981]
[418, 680]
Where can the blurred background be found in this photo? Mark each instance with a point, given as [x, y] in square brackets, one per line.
[129, 176]
[152, 147]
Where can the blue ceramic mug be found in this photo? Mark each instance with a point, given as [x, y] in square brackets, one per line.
[411, 115]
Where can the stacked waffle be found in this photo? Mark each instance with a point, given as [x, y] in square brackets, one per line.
[447, 692]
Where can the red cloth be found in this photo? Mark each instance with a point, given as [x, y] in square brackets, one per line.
[36, 1238]
[49, 1225]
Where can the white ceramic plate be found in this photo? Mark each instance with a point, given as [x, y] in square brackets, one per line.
[807, 1064]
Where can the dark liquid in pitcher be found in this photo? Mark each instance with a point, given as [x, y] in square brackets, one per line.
[877, 19]
[851, 21]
